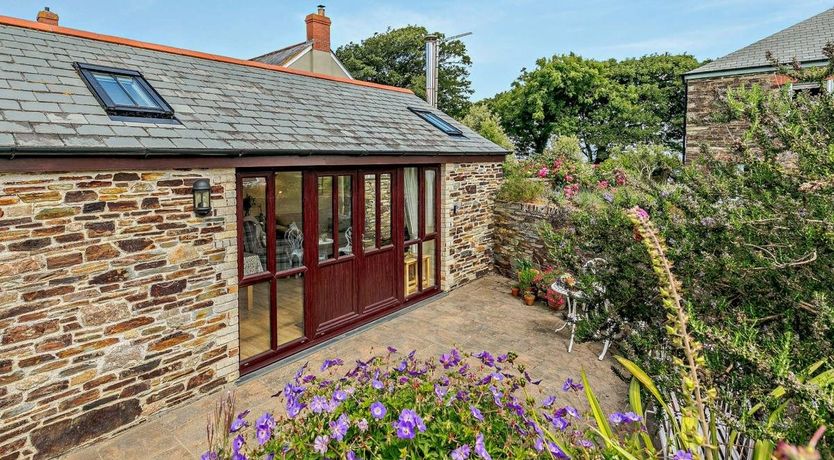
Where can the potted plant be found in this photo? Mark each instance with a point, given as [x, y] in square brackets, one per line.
[554, 300]
[515, 290]
[525, 284]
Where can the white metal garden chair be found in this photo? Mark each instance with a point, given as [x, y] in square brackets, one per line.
[573, 297]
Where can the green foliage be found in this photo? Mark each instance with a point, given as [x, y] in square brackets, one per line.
[603, 103]
[397, 57]
[487, 124]
[752, 240]
[525, 279]
[518, 186]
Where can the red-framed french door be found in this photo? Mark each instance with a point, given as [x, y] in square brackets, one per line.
[324, 250]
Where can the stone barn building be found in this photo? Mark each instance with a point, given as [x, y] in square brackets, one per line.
[803, 42]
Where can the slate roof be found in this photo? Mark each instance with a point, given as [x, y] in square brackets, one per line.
[283, 55]
[233, 107]
[803, 41]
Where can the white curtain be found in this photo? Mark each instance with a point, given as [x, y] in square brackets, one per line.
[411, 202]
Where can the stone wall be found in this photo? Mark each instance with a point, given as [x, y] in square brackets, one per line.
[116, 302]
[468, 194]
[517, 233]
[703, 102]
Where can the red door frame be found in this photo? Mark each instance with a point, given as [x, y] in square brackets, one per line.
[310, 216]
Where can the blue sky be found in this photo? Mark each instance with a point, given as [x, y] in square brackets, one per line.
[508, 34]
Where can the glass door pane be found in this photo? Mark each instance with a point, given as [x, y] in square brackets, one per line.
[289, 221]
[253, 309]
[344, 196]
[290, 308]
[369, 235]
[411, 204]
[254, 229]
[385, 209]
[325, 199]
[429, 201]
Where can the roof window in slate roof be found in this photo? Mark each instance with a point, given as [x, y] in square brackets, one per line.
[437, 122]
[125, 94]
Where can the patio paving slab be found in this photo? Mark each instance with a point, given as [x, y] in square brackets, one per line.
[479, 316]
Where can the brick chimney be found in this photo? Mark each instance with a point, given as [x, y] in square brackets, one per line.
[318, 30]
[47, 17]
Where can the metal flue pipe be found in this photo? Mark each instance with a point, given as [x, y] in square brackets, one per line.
[431, 70]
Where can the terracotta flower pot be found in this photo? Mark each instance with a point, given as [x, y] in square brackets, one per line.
[515, 291]
[529, 299]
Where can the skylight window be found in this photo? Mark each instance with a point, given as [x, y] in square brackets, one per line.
[125, 94]
[437, 122]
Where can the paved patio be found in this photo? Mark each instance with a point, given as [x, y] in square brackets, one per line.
[479, 316]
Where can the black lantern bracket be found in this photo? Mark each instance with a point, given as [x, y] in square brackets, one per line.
[202, 197]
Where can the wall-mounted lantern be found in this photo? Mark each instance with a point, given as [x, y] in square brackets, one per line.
[202, 197]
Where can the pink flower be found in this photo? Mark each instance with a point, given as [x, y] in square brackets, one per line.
[568, 178]
[642, 214]
[571, 190]
[543, 172]
[603, 184]
[557, 165]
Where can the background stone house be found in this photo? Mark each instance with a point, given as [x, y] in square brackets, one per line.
[124, 291]
[802, 42]
[313, 54]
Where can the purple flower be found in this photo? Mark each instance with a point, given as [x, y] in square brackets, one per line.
[378, 410]
[502, 358]
[402, 366]
[331, 362]
[362, 425]
[319, 404]
[351, 455]
[440, 390]
[237, 443]
[628, 417]
[391, 349]
[263, 434]
[549, 401]
[209, 456]
[607, 196]
[538, 444]
[571, 385]
[266, 420]
[340, 427]
[486, 358]
[555, 450]
[585, 443]
[239, 422]
[476, 413]
[480, 448]
[404, 430]
[320, 444]
[682, 455]
[462, 395]
[642, 214]
[461, 453]
[450, 360]
[377, 384]
[294, 407]
[339, 395]
[239, 456]
[463, 369]
[559, 423]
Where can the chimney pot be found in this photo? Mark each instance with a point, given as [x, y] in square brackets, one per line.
[318, 30]
[46, 16]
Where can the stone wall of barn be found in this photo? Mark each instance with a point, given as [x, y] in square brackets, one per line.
[116, 302]
[468, 195]
[703, 103]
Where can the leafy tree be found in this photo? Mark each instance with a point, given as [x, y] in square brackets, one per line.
[487, 124]
[397, 57]
[603, 103]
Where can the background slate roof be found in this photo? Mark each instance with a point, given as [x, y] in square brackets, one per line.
[223, 107]
[281, 56]
[803, 41]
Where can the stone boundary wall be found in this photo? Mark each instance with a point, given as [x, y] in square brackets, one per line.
[116, 302]
[468, 192]
[517, 232]
[702, 103]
